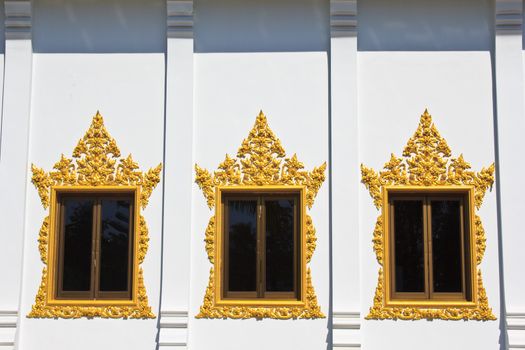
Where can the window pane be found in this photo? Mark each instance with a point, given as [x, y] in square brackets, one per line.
[78, 230]
[279, 245]
[446, 245]
[114, 244]
[409, 246]
[242, 243]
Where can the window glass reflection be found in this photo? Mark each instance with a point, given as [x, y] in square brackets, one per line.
[78, 231]
[409, 246]
[280, 245]
[114, 244]
[242, 245]
[446, 245]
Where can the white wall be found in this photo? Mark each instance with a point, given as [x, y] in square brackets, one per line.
[106, 56]
[99, 26]
[230, 89]
[67, 90]
[394, 90]
[418, 25]
[252, 55]
[261, 26]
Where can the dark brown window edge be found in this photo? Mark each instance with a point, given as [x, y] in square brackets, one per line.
[261, 293]
[429, 295]
[93, 293]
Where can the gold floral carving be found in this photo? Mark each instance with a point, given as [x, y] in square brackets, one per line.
[261, 161]
[210, 310]
[427, 162]
[95, 163]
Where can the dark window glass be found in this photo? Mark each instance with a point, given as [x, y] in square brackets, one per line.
[280, 245]
[409, 246]
[78, 232]
[114, 244]
[242, 245]
[446, 245]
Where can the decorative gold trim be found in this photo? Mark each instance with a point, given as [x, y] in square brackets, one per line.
[95, 166]
[427, 165]
[260, 164]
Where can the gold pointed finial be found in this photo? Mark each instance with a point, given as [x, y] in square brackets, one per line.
[95, 162]
[261, 160]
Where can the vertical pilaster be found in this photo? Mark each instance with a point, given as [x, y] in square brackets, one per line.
[511, 143]
[13, 162]
[178, 176]
[344, 175]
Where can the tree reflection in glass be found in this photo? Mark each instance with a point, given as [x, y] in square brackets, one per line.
[114, 244]
[409, 246]
[242, 245]
[446, 245]
[279, 245]
[78, 231]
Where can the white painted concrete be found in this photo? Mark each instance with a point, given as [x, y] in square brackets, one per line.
[67, 91]
[394, 90]
[230, 89]
[256, 26]
[96, 26]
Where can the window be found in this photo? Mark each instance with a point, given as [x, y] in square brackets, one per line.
[429, 246]
[94, 246]
[261, 244]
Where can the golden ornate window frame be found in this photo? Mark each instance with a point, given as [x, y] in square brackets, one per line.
[95, 167]
[469, 191]
[427, 166]
[261, 165]
[301, 190]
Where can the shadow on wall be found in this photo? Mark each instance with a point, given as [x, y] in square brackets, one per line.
[99, 26]
[425, 25]
[261, 26]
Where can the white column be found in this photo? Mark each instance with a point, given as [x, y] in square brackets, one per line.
[14, 168]
[178, 177]
[345, 178]
[511, 144]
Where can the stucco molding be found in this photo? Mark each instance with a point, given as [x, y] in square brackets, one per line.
[8, 325]
[18, 20]
[516, 330]
[180, 18]
[346, 330]
[343, 18]
[509, 16]
[173, 326]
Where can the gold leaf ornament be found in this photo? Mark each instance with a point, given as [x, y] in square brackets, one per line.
[427, 163]
[95, 163]
[261, 161]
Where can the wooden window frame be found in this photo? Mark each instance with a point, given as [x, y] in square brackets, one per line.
[260, 297]
[55, 296]
[468, 296]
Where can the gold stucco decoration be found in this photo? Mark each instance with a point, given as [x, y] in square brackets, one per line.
[95, 163]
[427, 163]
[261, 161]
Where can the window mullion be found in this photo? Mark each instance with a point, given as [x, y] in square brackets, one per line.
[463, 257]
[428, 247]
[95, 249]
[259, 244]
[61, 249]
[262, 246]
